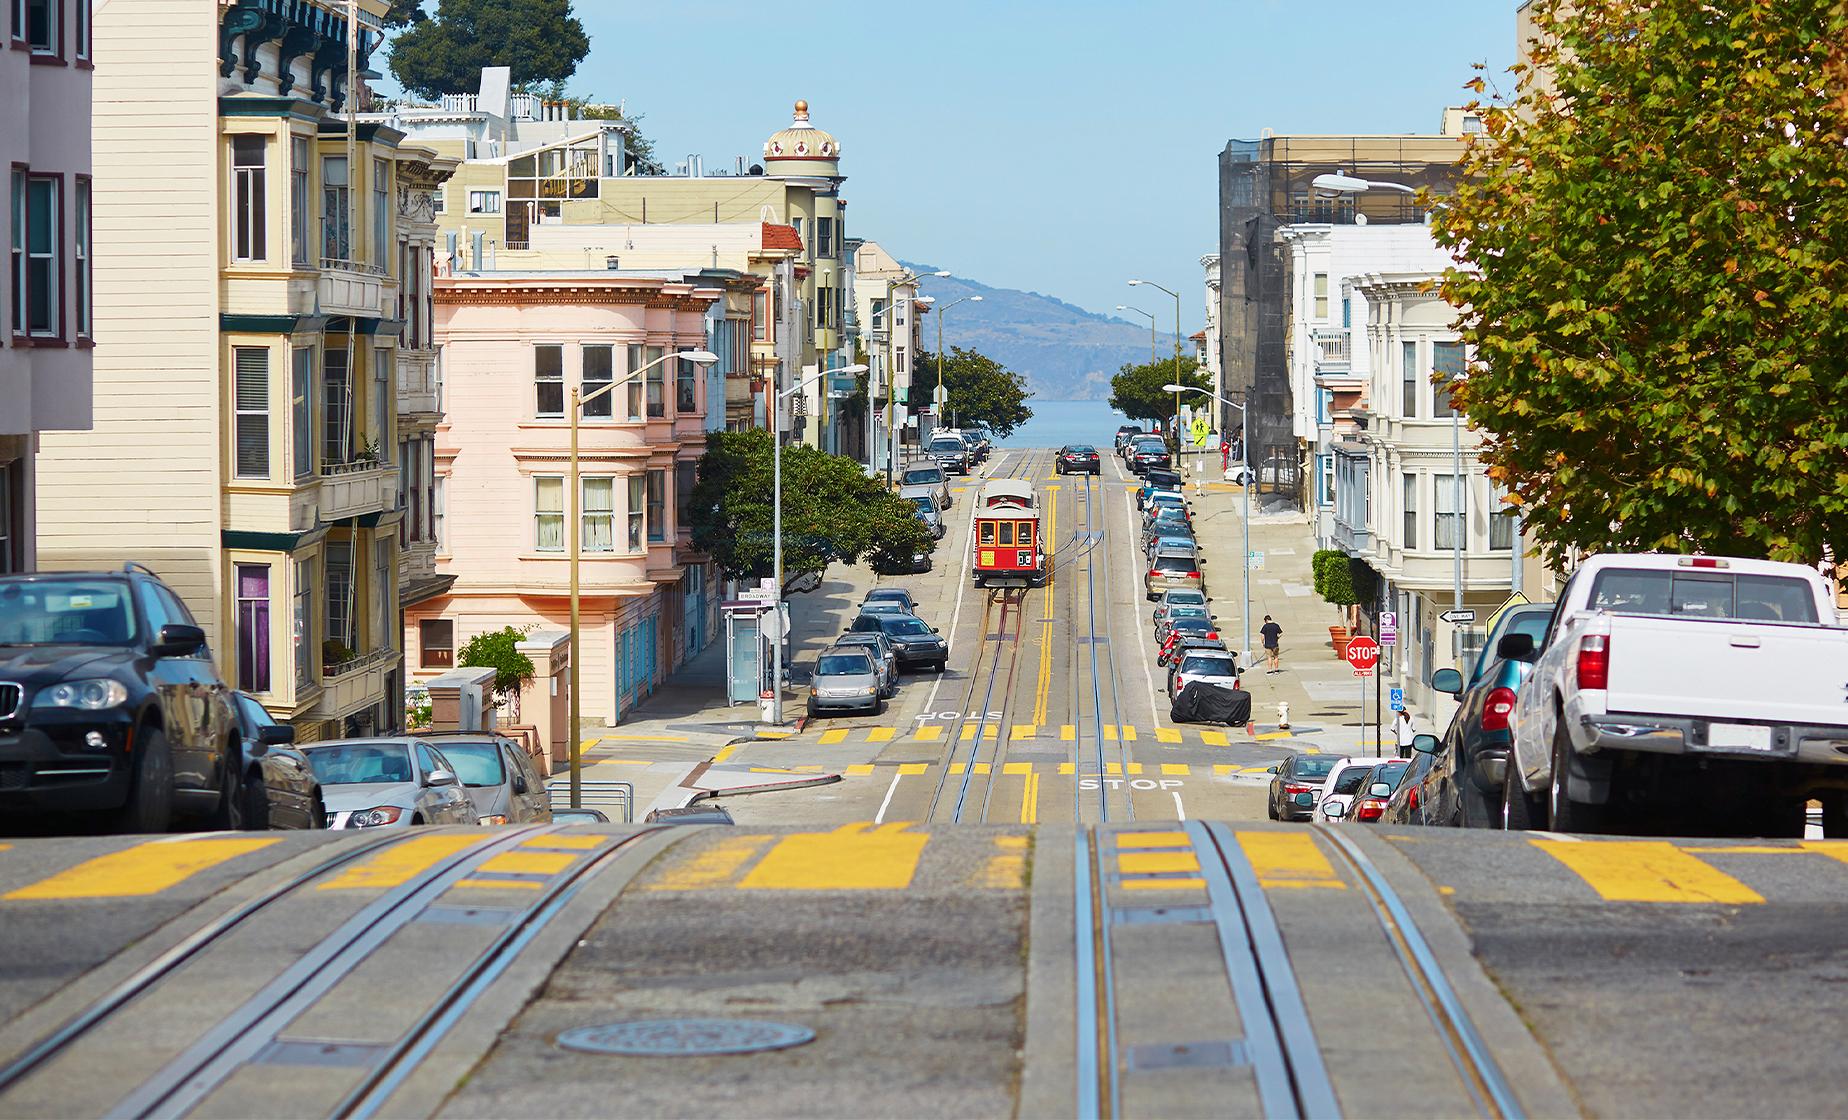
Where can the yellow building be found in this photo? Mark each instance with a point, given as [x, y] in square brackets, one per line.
[260, 264]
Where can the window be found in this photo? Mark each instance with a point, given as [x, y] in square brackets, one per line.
[686, 392]
[657, 381]
[1007, 533]
[1447, 365]
[1408, 373]
[1411, 512]
[80, 34]
[549, 514]
[1451, 508]
[1324, 405]
[1321, 296]
[251, 410]
[484, 202]
[384, 591]
[760, 317]
[339, 561]
[1325, 476]
[407, 489]
[303, 624]
[382, 392]
[337, 399]
[249, 241]
[36, 237]
[986, 532]
[42, 25]
[439, 508]
[298, 199]
[824, 237]
[657, 505]
[636, 498]
[81, 288]
[1502, 519]
[439, 200]
[1347, 310]
[599, 518]
[336, 232]
[436, 643]
[549, 380]
[381, 212]
[301, 409]
[253, 627]
[632, 389]
[686, 476]
[599, 371]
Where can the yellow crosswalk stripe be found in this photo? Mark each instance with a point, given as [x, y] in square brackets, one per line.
[881, 734]
[1148, 863]
[855, 857]
[833, 735]
[1067, 733]
[967, 733]
[1153, 840]
[1167, 735]
[913, 768]
[1288, 859]
[1221, 769]
[1647, 871]
[1129, 734]
[1023, 731]
[859, 770]
[1007, 868]
[709, 866]
[555, 840]
[1068, 768]
[402, 861]
[1175, 770]
[929, 731]
[1017, 768]
[1215, 739]
[1163, 884]
[531, 863]
[147, 868]
[958, 768]
[1110, 733]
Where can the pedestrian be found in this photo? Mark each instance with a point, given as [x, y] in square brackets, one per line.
[1402, 732]
[1273, 650]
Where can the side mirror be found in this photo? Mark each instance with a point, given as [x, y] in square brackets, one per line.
[934, 630]
[519, 784]
[1426, 744]
[1515, 647]
[1447, 681]
[177, 640]
[1379, 789]
[1333, 808]
[1304, 799]
[441, 778]
[276, 734]
[1272, 768]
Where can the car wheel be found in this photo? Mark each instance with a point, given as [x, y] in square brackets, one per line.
[1835, 815]
[149, 807]
[1563, 813]
[813, 711]
[253, 802]
[1518, 810]
[228, 814]
[319, 818]
[941, 665]
[1270, 807]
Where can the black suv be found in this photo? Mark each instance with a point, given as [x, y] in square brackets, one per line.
[109, 702]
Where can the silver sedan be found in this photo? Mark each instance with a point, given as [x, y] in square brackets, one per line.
[388, 783]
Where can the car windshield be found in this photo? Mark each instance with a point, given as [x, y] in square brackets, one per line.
[477, 764]
[1174, 564]
[924, 504]
[345, 764]
[923, 476]
[1194, 625]
[897, 594]
[1389, 773]
[843, 664]
[1704, 593]
[1315, 766]
[1178, 599]
[1349, 780]
[1081, 449]
[951, 445]
[1178, 613]
[1209, 667]
[45, 612]
[904, 626]
[884, 606]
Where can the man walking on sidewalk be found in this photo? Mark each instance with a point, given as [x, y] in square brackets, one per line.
[1273, 650]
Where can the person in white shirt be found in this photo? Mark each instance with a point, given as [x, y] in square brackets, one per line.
[1402, 732]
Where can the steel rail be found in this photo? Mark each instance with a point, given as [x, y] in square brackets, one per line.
[152, 973]
[1094, 1018]
[1482, 1076]
[183, 1083]
[1116, 693]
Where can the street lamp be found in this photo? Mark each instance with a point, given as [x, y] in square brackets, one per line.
[1177, 358]
[1244, 483]
[1347, 184]
[572, 532]
[905, 281]
[938, 401]
[1151, 318]
[776, 530]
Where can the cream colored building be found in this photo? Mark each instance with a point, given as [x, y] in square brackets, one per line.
[258, 265]
[47, 327]
[889, 317]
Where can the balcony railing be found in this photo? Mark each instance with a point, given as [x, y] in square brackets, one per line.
[1333, 348]
[354, 685]
[417, 386]
[352, 288]
[360, 486]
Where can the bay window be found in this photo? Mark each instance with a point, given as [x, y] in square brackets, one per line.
[249, 196]
[336, 218]
[253, 627]
[598, 528]
[549, 513]
[637, 498]
[599, 371]
[250, 408]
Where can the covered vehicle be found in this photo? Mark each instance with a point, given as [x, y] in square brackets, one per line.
[388, 783]
[1205, 702]
[499, 777]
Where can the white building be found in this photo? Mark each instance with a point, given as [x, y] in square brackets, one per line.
[888, 312]
[1209, 342]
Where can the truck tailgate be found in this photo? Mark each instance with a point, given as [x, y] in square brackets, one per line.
[1745, 671]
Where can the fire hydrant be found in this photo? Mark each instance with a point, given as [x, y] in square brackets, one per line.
[1283, 715]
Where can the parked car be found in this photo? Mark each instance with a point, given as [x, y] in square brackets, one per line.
[1421, 797]
[1208, 665]
[1179, 645]
[1176, 614]
[1125, 433]
[931, 475]
[1294, 784]
[976, 442]
[845, 679]
[1162, 500]
[280, 789]
[950, 453]
[1682, 690]
[1170, 569]
[498, 775]
[1375, 790]
[884, 606]
[579, 816]
[702, 813]
[917, 643]
[1333, 800]
[898, 594]
[883, 653]
[1078, 458]
[925, 509]
[1149, 452]
[388, 783]
[1170, 541]
[1471, 767]
[1178, 597]
[1157, 479]
[110, 702]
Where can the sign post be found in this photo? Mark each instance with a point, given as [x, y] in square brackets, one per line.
[1363, 653]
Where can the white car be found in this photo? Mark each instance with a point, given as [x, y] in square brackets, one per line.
[388, 783]
[1210, 666]
[1340, 787]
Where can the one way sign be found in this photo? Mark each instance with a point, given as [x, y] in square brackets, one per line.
[1459, 617]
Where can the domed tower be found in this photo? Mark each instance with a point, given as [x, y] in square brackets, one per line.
[802, 150]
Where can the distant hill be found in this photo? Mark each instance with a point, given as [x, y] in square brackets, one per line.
[1065, 352]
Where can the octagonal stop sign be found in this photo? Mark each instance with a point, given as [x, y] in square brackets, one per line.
[1363, 653]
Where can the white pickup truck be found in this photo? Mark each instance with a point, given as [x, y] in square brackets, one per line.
[1690, 694]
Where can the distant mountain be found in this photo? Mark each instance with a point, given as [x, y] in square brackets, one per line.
[1064, 352]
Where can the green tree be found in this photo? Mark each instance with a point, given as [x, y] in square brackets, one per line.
[540, 40]
[1657, 286]
[832, 511]
[1136, 391]
[983, 393]
[403, 13]
[500, 650]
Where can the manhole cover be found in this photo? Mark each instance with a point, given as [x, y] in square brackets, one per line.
[669, 1037]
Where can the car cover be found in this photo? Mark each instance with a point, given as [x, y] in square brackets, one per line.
[1201, 702]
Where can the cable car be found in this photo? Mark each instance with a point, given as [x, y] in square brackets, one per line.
[1009, 551]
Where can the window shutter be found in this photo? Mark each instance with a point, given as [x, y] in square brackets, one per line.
[252, 410]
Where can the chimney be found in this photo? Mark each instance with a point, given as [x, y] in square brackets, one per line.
[475, 257]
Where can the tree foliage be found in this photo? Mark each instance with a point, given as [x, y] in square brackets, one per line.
[983, 393]
[1136, 391]
[1657, 284]
[539, 40]
[500, 650]
[1334, 577]
[832, 511]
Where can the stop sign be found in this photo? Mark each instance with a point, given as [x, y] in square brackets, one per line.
[1363, 653]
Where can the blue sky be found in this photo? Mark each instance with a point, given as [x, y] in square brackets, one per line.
[1057, 147]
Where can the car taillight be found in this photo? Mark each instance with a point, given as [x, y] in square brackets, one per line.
[1369, 810]
[1294, 788]
[1496, 709]
[1594, 661]
[1212, 635]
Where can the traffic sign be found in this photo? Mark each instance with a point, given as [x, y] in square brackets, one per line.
[1459, 617]
[1397, 698]
[1389, 628]
[1363, 653]
[940, 396]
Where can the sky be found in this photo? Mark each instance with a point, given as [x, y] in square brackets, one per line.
[1056, 147]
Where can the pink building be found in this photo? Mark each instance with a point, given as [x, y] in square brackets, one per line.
[514, 346]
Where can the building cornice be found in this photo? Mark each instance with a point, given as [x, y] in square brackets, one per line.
[449, 290]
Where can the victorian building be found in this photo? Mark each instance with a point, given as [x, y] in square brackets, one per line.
[262, 313]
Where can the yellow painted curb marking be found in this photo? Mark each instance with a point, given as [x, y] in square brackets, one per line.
[726, 752]
[144, 869]
[1647, 871]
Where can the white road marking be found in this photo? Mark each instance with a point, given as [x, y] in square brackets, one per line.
[1180, 814]
[930, 702]
[1555, 835]
[1129, 514]
[887, 803]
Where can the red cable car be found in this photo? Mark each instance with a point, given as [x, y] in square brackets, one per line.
[1009, 551]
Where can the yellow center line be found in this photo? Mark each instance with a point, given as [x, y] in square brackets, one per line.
[1029, 800]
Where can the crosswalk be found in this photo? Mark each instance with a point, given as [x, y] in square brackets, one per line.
[1051, 733]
